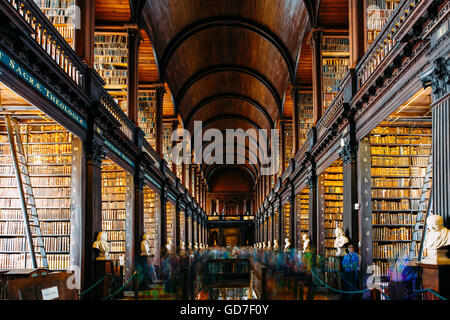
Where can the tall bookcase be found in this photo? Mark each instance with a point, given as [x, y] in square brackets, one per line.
[182, 228]
[167, 143]
[378, 13]
[170, 222]
[147, 115]
[151, 216]
[62, 15]
[111, 63]
[48, 149]
[113, 206]
[287, 221]
[189, 230]
[302, 219]
[269, 226]
[335, 64]
[288, 143]
[332, 206]
[399, 157]
[305, 115]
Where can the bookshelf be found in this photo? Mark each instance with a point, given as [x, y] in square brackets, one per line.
[189, 230]
[331, 197]
[287, 221]
[305, 116]
[62, 15]
[269, 226]
[335, 63]
[147, 115]
[111, 63]
[113, 206]
[399, 157]
[186, 176]
[167, 143]
[151, 215]
[170, 221]
[288, 143]
[302, 218]
[378, 13]
[48, 149]
[182, 228]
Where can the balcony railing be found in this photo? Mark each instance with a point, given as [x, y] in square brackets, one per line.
[50, 40]
[386, 41]
[231, 218]
[126, 126]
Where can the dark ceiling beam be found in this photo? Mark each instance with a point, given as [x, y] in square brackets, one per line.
[229, 68]
[223, 96]
[227, 21]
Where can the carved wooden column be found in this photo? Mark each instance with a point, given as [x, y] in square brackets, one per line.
[292, 216]
[348, 154]
[282, 147]
[163, 218]
[280, 223]
[133, 77]
[356, 23]
[160, 91]
[316, 42]
[313, 229]
[92, 218]
[438, 78]
[177, 226]
[131, 249]
[84, 35]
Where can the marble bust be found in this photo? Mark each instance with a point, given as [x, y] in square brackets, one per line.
[275, 244]
[196, 246]
[102, 245]
[269, 246]
[340, 241]
[263, 246]
[189, 245]
[305, 243]
[169, 246]
[437, 236]
[145, 246]
[287, 244]
[183, 247]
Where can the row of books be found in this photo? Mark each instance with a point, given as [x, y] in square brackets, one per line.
[399, 161]
[393, 139]
[401, 130]
[23, 260]
[399, 150]
[43, 214]
[113, 196]
[56, 137]
[40, 203]
[397, 183]
[117, 246]
[38, 170]
[51, 244]
[332, 225]
[110, 39]
[403, 204]
[391, 234]
[413, 171]
[112, 182]
[396, 193]
[390, 251]
[39, 181]
[393, 218]
[115, 235]
[335, 44]
[47, 228]
[113, 225]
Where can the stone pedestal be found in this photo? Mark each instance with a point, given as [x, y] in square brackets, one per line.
[436, 277]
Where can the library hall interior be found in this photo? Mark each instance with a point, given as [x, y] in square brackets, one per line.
[224, 150]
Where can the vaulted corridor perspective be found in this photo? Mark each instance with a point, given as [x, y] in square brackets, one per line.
[224, 150]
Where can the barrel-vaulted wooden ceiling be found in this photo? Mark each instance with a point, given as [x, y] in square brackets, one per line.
[228, 63]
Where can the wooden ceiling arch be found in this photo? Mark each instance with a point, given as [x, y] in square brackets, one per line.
[212, 170]
[192, 116]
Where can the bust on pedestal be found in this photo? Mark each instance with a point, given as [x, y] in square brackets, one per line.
[268, 246]
[340, 241]
[305, 243]
[275, 244]
[145, 246]
[102, 246]
[436, 238]
[287, 244]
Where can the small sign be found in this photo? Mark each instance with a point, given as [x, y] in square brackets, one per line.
[50, 293]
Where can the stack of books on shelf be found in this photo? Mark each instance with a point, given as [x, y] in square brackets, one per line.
[288, 143]
[303, 211]
[170, 221]
[335, 64]
[167, 143]
[48, 149]
[147, 115]
[399, 156]
[305, 116]
[111, 63]
[151, 209]
[332, 204]
[378, 14]
[62, 14]
[286, 220]
[113, 207]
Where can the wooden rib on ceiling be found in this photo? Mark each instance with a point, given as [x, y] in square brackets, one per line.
[112, 10]
[168, 109]
[148, 71]
[304, 64]
[333, 13]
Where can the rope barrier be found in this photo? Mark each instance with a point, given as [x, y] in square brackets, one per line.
[94, 285]
[425, 290]
[120, 289]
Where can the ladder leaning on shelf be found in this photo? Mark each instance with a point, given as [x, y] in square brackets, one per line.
[422, 214]
[26, 194]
